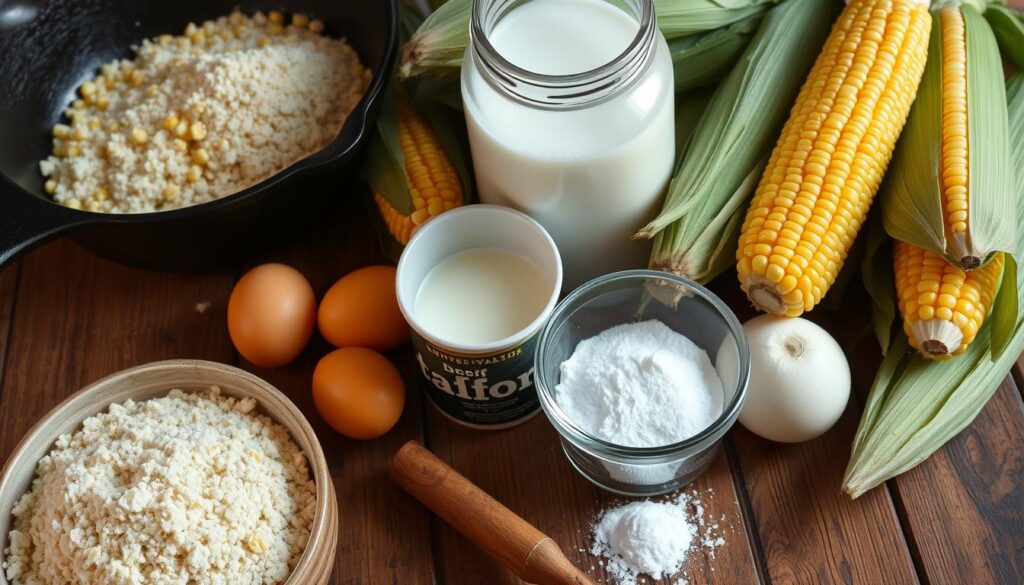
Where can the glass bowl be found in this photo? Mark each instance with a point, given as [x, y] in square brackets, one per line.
[626, 297]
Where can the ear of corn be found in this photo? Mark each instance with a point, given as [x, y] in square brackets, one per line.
[439, 44]
[915, 404]
[943, 306]
[415, 167]
[950, 189]
[696, 229]
[829, 161]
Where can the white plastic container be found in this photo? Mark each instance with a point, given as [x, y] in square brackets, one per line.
[570, 110]
[480, 384]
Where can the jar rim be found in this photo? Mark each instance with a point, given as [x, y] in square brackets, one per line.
[569, 429]
[561, 91]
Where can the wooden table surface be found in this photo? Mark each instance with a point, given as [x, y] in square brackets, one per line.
[68, 317]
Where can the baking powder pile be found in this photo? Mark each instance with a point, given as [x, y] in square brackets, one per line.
[652, 538]
[640, 385]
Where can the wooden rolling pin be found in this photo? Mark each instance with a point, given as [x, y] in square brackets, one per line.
[528, 552]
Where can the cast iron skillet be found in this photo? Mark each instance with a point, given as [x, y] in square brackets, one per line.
[48, 47]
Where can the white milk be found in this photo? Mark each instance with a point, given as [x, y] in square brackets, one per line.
[481, 295]
[594, 175]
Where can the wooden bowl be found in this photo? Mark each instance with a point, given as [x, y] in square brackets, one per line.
[157, 379]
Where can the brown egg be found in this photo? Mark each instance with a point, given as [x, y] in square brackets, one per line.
[362, 310]
[271, 314]
[358, 392]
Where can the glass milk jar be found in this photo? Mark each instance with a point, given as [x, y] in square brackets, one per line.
[569, 105]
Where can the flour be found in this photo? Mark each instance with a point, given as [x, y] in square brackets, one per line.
[653, 538]
[640, 385]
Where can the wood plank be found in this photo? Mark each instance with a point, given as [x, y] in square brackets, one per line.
[384, 535]
[961, 509]
[79, 318]
[525, 469]
[8, 284]
[964, 506]
[809, 531]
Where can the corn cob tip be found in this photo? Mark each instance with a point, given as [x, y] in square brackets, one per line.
[939, 338]
[766, 299]
[968, 259]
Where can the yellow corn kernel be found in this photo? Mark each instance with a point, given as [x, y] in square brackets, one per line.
[259, 18]
[194, 173]
[136, 77]
[88, 89]
[263, 42]
[73, 203]
[275, 17]
[95, 124]
[139, 135]
[61, 131]
[198, 37]
[200, 156]
[101, 194]
[171, 192]
[236, 17]
[197, 131]
[275, 28]
[50, 186]
[179, 145]
[942, 325]
[829, 160]
[170, 122]
[74, 151]
[316, 26]
[114, 127]
[78, 104]
[102, 102]
[79, 134]
[181, 129]
[300, 20]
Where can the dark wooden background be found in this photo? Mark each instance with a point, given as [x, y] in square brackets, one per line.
[68, 318]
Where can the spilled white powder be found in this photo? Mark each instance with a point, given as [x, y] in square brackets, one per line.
[653, 539]
[645, 537]
[640, 385]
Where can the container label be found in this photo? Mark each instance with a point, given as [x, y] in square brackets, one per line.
[486, 389]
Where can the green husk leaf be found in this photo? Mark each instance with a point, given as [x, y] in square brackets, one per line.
[912, 197]
[1008, 26]
[701, 59]
[721, 164]
[1004, 308]
[690, 107]
[915, 404]
[877, 275]
[440, 41]
[439, 44]
[384, 168]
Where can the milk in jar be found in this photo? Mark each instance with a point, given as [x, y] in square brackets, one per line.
[569, 106]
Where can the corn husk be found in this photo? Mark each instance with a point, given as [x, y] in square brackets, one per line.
[439, 44]
[911, 196]
[704, 58]
[916, 405]
[1008, 25]
[696, 231]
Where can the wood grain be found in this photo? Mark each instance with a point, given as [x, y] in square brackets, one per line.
[384, 535]
[525, 469]
[79, 318]
[964, 506]
[8, 284]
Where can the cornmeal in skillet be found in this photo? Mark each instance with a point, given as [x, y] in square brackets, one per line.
[196, 117]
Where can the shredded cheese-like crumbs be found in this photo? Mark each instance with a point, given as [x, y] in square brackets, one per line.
[191, 488]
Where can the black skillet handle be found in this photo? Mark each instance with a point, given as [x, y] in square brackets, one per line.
[27, 221]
